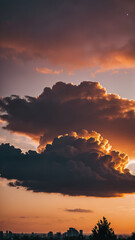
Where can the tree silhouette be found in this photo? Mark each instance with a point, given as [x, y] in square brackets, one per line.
[102, 231]
[133, 236]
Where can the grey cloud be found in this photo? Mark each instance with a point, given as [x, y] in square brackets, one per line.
[72, 165]
[79, 210]
[65, 108]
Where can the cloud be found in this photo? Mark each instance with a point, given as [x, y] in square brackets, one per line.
[67, 107]
[79, 210]
[48, 71]
[25, 217]
[70, 34]
[73, 164]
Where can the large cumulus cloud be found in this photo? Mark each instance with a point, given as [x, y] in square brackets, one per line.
[72, 165]
[72, 34]
[66, 108]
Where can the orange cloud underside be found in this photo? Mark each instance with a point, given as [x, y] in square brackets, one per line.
[72, 58]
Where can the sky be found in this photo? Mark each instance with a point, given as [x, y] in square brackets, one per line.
[67, 114]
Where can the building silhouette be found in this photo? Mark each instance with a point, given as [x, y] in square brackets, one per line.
[72, 232]
[1, 235]
[50, 234]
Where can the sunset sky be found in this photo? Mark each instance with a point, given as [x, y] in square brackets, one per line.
[67, 114]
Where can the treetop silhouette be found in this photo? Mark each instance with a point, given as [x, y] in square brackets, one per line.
[103, 231]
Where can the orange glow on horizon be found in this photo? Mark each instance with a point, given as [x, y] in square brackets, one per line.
[41, 212]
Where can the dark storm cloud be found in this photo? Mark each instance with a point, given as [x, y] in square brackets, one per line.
[66, 108]
[71, 165]
[79, 210]
[72, 34]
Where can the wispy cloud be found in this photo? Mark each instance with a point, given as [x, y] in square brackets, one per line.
[78, 210]
[25, 217]
[48, 71]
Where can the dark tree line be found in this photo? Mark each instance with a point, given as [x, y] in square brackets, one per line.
[102, 231]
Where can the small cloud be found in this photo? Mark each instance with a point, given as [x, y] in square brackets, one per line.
[79, 210]
[48, 71]
[25, 217]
